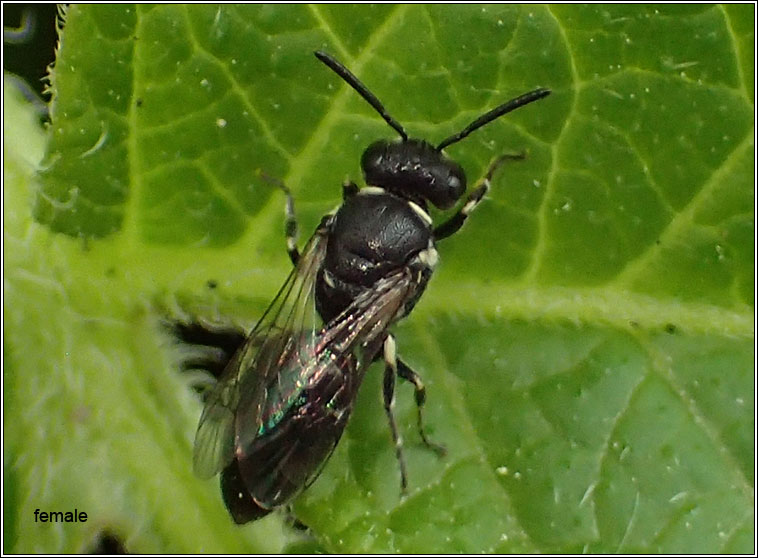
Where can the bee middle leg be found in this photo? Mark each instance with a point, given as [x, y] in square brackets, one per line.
[290, 225]
[290, 218]
[405, 372]
[393, 366]
[390, 371]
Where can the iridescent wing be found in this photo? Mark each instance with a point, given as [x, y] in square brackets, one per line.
[287, 451]
[284, 399]
[288, 322]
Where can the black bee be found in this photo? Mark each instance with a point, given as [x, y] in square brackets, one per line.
[285, 396]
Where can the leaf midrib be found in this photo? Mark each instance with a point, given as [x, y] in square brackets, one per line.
[607, 306]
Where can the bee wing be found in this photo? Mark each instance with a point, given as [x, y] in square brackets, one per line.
[288, 322]
[277, 465]
[361, 329]
[365, 322]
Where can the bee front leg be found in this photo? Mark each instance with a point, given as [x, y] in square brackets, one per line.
[349, 189]
[452, 225]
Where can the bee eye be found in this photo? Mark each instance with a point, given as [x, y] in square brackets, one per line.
[456, 186]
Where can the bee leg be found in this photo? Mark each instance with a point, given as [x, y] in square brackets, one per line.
[452, 225]
[225, 336]
[390, 370]
[205, 347]
[290, 226]
[405, 372]
[290, 218]
[349, 189]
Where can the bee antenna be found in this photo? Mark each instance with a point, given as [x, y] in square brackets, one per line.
[495, 113]
[362, 90]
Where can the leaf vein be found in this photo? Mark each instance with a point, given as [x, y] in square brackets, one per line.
[685, 218]
[531, 270]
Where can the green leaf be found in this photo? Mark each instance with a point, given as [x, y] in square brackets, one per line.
[586, 343]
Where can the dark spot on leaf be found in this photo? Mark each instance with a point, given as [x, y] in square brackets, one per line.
[108, 543]
[296, 524]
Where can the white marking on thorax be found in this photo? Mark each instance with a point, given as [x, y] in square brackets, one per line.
[371, 191]
[420, 212]
[328, 279]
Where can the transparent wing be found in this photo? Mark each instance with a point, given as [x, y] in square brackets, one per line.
[288, 324]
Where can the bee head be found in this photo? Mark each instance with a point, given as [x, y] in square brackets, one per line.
[414, 169]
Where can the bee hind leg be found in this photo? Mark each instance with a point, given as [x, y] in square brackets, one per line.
[206, 347]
